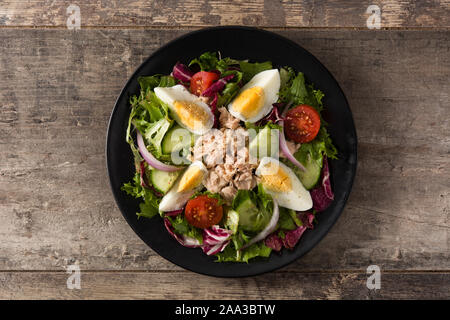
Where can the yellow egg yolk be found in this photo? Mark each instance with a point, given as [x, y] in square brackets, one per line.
[249, 102]
[191, 179]
[274, 178]
[191, 115]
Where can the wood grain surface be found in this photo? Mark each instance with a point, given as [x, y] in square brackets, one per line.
[190, 286]
[258, 13]
[58, 87]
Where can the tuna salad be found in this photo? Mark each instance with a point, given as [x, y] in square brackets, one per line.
[231, 154]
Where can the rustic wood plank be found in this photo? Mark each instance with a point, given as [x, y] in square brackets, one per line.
[149, 285]
[260, 13]
[57, 89]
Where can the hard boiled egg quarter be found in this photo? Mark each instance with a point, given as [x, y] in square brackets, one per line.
[283, 185]
[255, 99]
[188, 110]
[186, 185]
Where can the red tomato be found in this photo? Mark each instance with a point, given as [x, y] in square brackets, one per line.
[202, 80]
[302, 123]
[203, 212]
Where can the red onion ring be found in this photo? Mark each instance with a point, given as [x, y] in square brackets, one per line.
[284, 148]
[151, 160]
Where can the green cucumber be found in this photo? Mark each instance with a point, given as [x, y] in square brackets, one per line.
[177, 139]
[311, 175]
[162, 181]
[247, 211]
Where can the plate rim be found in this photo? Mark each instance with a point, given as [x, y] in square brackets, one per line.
[353, 151]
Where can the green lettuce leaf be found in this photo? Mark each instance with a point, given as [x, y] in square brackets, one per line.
[210, 195]
[228, 93]
[225, 63]
[207, 61]
[150, 82]
[249, 69]
[181, 226]
[254, 209]
[285, 222]
[321, 145]
[148, 208]
[258, 249]
[294, 89]
[255, 250]
[154, 135]
[134, 188]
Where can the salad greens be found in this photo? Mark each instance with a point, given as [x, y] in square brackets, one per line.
[148, 208]
[254, 209]
[182, 227]
[251, 210]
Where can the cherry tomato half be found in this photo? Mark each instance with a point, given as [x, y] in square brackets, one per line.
[302, 123]
[203, 212]
[202, 80]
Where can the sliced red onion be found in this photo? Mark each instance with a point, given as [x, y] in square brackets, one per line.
[210, 250]
[182, 72]
[183, 240]
[174, 213]
[151, 160]
[284, 148]
[286, 109]
[217, 86]
[271, 226]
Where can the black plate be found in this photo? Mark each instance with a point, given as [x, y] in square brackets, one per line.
[239, 43]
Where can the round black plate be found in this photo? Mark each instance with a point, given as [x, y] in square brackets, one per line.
[239, 43]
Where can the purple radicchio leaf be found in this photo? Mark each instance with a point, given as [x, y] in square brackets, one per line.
[292, 237]
[217, 86]
[183, 240]
[182, 72]
[273, 116]
[323, 195]
[274, 241]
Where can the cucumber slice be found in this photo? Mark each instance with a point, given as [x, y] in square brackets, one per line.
[311, 176]
[177, 139]
[162, 181]
[248, 212]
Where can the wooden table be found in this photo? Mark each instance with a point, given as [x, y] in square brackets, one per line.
[58, 87]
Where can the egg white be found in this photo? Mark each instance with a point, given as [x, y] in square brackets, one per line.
[269, 81]
[174, 200]
[298, 198]
[169, 95]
